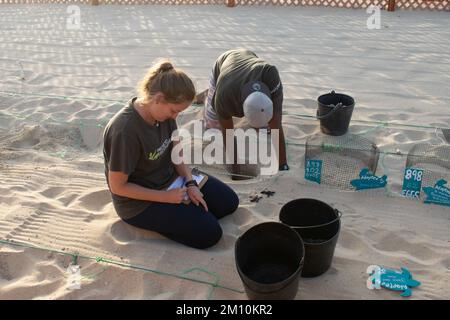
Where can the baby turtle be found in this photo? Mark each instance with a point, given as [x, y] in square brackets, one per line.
[268, 193]
[255, 197]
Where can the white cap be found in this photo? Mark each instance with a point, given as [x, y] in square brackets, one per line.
[258, 107]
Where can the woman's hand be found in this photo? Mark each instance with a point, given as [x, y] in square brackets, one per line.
[175, 195]
[196, 196]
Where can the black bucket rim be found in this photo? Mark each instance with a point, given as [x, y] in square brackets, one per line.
[337, 219]
[336, 93]
[289, 279]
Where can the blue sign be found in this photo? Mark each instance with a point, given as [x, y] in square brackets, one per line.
[367, 180]
[394, 280]
[439, 194]
[313, 170]
[412, 183]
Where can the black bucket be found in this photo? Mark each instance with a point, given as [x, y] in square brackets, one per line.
[334, 112]
[269, 259]
[318, 224]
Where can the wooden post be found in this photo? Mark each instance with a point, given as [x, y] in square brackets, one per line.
[391, 5]
[95, 2]
[230, 3]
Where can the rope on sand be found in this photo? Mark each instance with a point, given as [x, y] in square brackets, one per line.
[306, 116]
[378, 124]
[32, 94]
[76, 256]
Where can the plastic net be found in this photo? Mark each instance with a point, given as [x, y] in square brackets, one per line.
[431, 163]
[336, 161]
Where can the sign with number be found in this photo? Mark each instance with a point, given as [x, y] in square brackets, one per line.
[313, 170]
[412, 183]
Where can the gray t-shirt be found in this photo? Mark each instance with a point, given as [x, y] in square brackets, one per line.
[140, 150]
[234, 69]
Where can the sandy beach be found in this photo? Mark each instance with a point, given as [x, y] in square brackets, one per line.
[59, 87]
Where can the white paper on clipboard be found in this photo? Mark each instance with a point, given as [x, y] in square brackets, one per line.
[180, 181]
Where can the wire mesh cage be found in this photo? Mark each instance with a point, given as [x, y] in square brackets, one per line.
[337, 160]
[432, 162]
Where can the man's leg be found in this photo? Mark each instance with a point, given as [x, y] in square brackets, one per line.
[209, 114]
[201, 97]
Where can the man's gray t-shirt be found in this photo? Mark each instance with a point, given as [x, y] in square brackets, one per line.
[140, 150]
[235, 68]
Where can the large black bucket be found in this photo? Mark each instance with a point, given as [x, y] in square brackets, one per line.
[335, 112]
[269, 259]
[318, 224]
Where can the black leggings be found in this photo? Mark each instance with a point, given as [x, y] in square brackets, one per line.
[190, 224]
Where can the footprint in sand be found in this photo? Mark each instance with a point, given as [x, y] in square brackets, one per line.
[399, 243]
[307, 103]
[267, 210]
[242, 216]
[14, 264]
[40, 79]
[95, 200]
[27, 137]
[309, 129]
[225, 243]
[419, 136]
[346, 210]
[123, 232]
[91, 133]
[350, 241]
[48, 271]
[446, 264]
[403, 116]
[52, 192]
[379, 117]
[67, 199]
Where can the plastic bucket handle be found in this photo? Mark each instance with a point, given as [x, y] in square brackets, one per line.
[339, 213]
[334, 109]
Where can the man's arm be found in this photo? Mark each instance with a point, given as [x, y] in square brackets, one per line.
[227, 124]
[201, 97]
[230, 148]
[276, 123]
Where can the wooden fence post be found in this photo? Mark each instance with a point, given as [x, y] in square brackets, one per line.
[230, 3]
[391, 5]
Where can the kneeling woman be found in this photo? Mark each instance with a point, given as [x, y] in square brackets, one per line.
[138, 166]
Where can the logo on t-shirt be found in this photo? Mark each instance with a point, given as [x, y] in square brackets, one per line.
[256, 87]
[155, 155]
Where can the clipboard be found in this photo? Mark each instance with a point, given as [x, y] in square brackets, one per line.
[179, 182]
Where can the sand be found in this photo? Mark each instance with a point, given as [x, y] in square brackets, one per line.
[54, 195]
